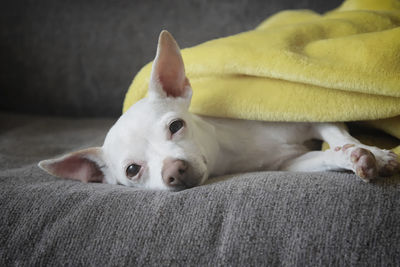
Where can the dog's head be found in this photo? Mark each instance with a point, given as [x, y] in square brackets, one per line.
[154, 144]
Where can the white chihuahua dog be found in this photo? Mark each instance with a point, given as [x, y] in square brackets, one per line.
[159, 144]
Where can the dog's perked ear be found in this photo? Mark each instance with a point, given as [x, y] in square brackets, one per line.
[168, 78]
[84, 165]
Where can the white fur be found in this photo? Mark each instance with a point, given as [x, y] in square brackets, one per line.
[210, 146]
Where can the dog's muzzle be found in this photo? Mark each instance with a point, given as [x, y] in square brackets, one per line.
[177, 174]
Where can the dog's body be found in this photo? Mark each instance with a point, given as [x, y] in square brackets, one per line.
[159, 144]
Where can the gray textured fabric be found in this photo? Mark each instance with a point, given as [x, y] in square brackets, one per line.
[274, 218]
[79, 57]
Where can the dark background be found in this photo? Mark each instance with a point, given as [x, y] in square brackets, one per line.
[78, 58]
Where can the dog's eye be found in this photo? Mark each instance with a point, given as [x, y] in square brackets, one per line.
[176, 126]
[132, 170]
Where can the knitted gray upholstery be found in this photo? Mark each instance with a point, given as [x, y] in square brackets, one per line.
[275, 218]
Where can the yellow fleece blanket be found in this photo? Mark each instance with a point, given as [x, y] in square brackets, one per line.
[301, 66]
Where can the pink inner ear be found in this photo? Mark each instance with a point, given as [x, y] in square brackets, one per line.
[78, 168]
[169, 69]
[171, 87]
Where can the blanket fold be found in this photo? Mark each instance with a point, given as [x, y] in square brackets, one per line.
[301, 66]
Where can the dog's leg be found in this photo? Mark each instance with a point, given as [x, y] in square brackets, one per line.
[316, 161]
[368, 162]
[345, 153]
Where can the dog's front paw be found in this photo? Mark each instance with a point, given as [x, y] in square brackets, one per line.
[370, 162]
[387, 161]
[364, 163]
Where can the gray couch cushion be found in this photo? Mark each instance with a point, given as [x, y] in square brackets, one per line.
[275, 218]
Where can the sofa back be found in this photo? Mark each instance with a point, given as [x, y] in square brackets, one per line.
[78, 58]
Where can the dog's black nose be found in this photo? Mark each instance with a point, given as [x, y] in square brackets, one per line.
[173, 172]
